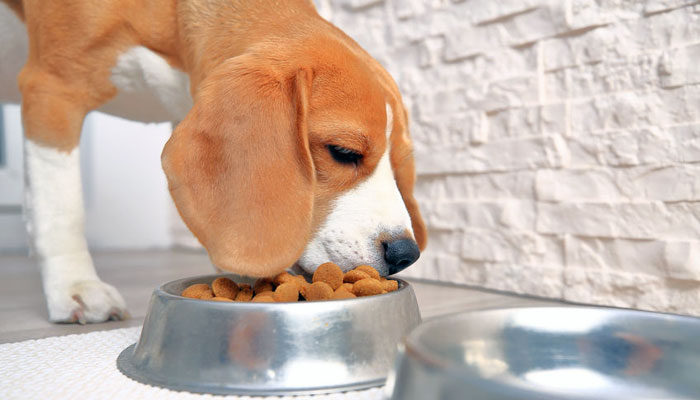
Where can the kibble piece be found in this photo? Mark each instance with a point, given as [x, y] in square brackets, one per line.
[284, 277]
[224, 287]
[367, 287]
[354, 276]
[263, 298]
[286, 292]
[198, 291]
[245, 294]
[296, 280]
[263, 285]
[318, 291]
[303, 288]
[301, 280]
[302, 284]
[390, 285]
[329, 273]
[342, 293]
[219, 298]
[373, 273]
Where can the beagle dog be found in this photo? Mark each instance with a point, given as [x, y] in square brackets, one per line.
[291, 145]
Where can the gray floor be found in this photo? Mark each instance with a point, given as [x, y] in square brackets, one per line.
[136, 273]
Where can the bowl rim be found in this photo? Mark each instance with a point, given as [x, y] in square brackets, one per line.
[413, 347]
[161, 291]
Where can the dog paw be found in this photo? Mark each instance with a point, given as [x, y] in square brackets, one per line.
[85, 302]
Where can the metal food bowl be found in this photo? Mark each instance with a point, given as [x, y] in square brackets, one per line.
[550, 353]
[268, 348]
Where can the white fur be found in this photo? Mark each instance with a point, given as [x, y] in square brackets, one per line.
[55, 222]
[349, 236]
[150, 90]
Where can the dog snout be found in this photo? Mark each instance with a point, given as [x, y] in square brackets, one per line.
[400, 253]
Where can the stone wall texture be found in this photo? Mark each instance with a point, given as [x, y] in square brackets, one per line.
[557, 142]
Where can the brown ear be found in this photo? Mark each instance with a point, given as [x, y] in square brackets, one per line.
[239, 167]
[405, 172]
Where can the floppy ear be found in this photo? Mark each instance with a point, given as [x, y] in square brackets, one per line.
[239, 167]
[405, 172]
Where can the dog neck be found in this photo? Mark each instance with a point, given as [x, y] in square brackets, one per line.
[206, 33]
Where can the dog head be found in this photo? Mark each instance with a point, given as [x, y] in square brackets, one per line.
[300, 158]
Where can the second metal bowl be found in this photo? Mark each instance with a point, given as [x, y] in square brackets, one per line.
[268, 348]
[551, 353]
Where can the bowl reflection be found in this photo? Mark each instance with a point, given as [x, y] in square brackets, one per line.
[551, 353]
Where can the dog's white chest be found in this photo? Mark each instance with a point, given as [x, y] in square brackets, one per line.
[149, 89]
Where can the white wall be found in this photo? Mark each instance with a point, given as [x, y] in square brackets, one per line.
[557, 142]
[126, 198]
[127, 203]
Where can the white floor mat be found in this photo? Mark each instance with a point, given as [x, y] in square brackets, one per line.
[84, 367]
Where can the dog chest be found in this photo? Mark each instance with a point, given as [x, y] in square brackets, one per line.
[149, 89]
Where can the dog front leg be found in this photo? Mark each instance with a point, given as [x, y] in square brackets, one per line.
[55, 215]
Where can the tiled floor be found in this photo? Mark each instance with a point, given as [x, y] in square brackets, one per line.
[136, 273]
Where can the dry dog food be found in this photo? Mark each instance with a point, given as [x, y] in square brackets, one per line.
[328, 283]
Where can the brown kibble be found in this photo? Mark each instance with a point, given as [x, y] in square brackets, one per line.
[198, 291]
[318, 291]
[329, 282]
[245, 294]
[354, 276]
[301, 281]
[329, 273]
[224, 287]
[243, 286]
[263, 298]
[373, 273]
[367, 287]
[263, 285]
[296, 280]
[287, 292]
[284, 277]
[342, 293]
[303, 288]
[390, 285]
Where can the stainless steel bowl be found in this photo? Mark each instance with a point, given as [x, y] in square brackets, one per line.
[268, 348]
[550, 353]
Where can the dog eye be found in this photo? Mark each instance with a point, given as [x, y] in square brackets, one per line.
[343, 155]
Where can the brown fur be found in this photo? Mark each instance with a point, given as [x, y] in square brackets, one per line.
[16, 6]
[248, 168]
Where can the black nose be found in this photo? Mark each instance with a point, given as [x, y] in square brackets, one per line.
[400, 253]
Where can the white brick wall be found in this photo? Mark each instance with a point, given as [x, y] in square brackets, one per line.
[557, 142]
